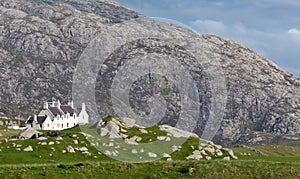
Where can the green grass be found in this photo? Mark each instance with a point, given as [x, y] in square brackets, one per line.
[10, 155]
[279, 162]
[153, 133]
[6, 133]
[272, 153]
[203, 169]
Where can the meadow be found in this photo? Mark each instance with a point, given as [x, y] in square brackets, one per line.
[48, 161]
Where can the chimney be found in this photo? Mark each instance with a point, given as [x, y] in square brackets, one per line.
[58, 104]
[45, 106]
[83, 108]
[70, 103]
[53, 103]
[35, 119]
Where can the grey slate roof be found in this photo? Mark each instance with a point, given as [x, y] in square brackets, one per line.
[55, 111]
[67, 109]
[40, 119]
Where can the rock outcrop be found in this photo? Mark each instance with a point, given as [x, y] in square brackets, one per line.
[202, 150]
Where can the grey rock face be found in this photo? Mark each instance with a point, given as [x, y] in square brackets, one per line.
[41, 41]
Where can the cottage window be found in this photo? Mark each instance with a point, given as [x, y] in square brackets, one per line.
[62, 125]
[48, 125]
[67, 124]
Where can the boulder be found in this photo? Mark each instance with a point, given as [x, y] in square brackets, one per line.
[75, 142]
[210, 149]
[134, 151]
[115, 153]
[175, 132]
[226, 158]
[176, 148]
[219, 152]
[86, 153]
[195, 156]
[165, 155]
[130, 142]
[42, 138]
[161, 138]
[208, 157]
[59, 138]
[103, 132]
[82, 149]
[169, 159]
[70, 149]
[110, 129]
[107, 152]
[28, 149]
[152, 155]
[143, 131]
[230, 152]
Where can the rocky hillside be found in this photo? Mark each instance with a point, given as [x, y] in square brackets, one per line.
[123, 140]
[41, 42]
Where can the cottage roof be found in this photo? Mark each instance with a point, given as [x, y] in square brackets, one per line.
[40, 119]
[30, 120]
[55, 111]
[67, 109]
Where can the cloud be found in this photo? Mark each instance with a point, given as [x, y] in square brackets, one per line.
[209, 26]
[282, 2]
[294, 31]
[281, 46]
[219, 3]
[270, 27]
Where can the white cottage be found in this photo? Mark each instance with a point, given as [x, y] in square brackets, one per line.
[55, 116]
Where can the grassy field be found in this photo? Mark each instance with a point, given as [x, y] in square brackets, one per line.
[202, 169]
[49, 161]
[6, 133]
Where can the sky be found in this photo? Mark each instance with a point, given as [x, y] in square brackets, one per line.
[270, 27]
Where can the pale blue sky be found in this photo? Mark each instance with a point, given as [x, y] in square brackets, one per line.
[270, 27]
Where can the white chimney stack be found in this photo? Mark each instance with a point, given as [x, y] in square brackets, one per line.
[45, 105]
[70, 103]
[35, 119]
